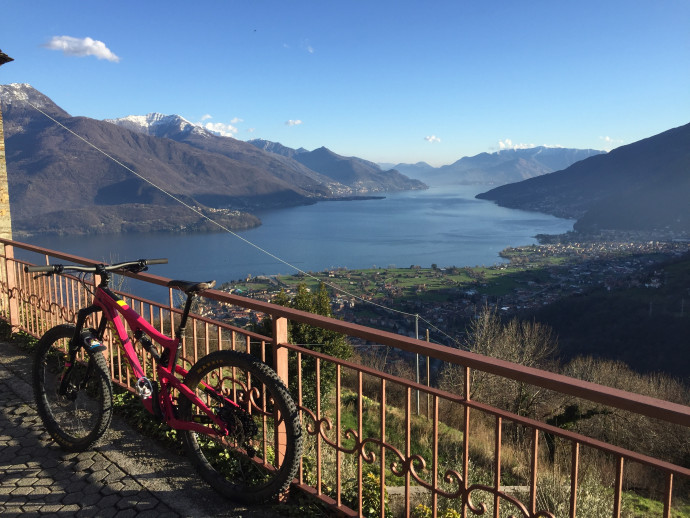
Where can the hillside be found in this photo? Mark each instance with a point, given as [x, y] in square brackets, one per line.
[218, 175]
[644, 322]
[176, 128]
[641, 186]
[323, 176]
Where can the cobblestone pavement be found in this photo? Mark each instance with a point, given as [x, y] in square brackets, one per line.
[124, 475]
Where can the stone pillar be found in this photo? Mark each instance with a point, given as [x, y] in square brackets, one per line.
[5, 220]
[9, 295]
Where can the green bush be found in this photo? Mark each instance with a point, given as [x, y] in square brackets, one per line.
[422, 511]
[371, 496]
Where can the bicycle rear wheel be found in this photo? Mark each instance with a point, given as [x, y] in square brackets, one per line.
[259, 458]
[80, 416]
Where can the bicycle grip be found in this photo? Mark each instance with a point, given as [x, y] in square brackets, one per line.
[44, 268]
[155, 261]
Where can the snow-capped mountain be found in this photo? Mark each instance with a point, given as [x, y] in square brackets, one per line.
[21, 103]
[214, 173]
[24, 93]
[158, 125]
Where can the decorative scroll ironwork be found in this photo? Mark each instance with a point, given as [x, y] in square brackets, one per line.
[481, 509]
[402, 466]
[45, 305]
[248, 397]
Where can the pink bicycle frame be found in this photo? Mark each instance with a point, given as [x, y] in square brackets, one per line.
[114, 310]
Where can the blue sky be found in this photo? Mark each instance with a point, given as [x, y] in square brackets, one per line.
[388, 81]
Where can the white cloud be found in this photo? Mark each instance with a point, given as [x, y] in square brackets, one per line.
[81, 47]
[293, 122]
[610, 143]
[432, 138]
[508, 144]
[307, 46]
[219, 128]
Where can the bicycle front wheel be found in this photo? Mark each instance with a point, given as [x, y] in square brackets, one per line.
[259, 457]
[78, 415]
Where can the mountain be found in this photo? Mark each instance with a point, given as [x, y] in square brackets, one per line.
[178, 129]
[418, 170]
[644, 186]
[276, 147]
[61, 183]
[506, 166]
[16, 99]
[360, 175]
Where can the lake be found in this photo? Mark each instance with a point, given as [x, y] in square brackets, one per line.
[446, 226]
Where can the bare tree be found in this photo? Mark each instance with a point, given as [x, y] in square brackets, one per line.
[526, 343]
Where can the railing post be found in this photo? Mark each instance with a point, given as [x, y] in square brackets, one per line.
[280, 354]
[280, 365]
[12, 288]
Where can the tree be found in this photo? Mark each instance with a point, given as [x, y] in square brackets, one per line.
[626, 429]
[314, 338]
[526, 343]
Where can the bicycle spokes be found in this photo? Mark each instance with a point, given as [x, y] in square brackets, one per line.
[253, 455]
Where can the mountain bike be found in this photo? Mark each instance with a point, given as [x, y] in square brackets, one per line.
[239, 425]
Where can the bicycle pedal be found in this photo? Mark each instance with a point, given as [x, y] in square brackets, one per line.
[144, 388]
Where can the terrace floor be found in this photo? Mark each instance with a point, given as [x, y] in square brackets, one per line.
[124, 475]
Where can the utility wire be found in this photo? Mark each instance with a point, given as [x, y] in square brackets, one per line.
[229, 231]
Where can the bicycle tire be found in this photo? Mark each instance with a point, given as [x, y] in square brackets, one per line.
[228, 468]
[78, 419]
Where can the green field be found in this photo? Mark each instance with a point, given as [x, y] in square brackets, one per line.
[424, 284]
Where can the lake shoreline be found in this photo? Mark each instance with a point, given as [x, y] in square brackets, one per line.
[444, 226]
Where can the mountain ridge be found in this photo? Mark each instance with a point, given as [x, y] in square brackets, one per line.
[640, 186]
[502, 167]
[218, 176]
[362, 175]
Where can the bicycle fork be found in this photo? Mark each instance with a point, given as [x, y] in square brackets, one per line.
[81, 339]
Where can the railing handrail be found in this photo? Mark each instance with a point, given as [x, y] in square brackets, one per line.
[645, 405]
[621, 399]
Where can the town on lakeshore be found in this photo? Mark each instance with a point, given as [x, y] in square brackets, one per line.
[447, 296]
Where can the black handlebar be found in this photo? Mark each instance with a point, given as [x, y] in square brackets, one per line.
[134, 266]
[53, 268]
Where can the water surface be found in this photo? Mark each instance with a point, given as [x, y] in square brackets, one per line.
[446, 226]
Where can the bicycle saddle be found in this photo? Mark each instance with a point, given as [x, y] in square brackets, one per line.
[191, 287]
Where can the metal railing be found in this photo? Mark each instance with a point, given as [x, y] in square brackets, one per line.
[368, 453]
